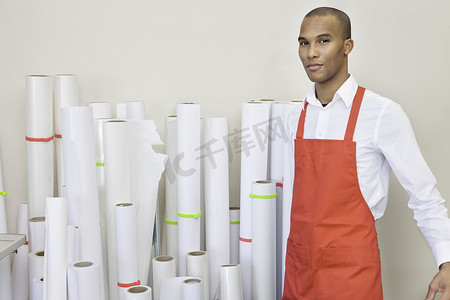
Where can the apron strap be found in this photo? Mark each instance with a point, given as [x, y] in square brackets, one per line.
[301, 122]
[351, 125]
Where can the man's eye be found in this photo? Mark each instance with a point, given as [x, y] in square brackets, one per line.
[324, 41]
[303, 43]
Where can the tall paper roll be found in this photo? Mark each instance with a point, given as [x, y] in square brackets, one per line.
[37, 289]
[254, 166]
[171, 288]
[171, 218]
[35, 267]
[19, 272]
[55, 260]
[121, 111]
[192, 289]
[126, 237]
[5, 263]
[234, 234]
[216, 197]
[101, 110]
[84, 281]
[230, 282]
[39, 136]
[140, 292]
[264, 239]
[65, 93]
[135, 110]
[81, 186]
[197, 265]
[37, 233]
[188, 144]
[163, 267]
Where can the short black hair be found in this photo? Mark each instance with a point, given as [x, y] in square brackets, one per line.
[342, 17]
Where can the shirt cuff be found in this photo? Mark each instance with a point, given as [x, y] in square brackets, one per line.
[441, 252]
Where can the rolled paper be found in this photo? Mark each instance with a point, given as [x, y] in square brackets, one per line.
[254, 166]
[101, 110]
[234, 234]
[216, 197]
[230, 282]
[126, 237]
[135, 110]
[287, 190]
[65, 93]
[39, 136]
[121, 111]
[55, 260]
[171, 288]
[19, 272]
[171, 218]
[139, 292]
[192, 289]
[37, 289]
[197, 265]
[84, 281]
[37, 233]
[163, 267]
[264, 239]
[73, 249]
[188, 166]
[5, 263]
[35, 268]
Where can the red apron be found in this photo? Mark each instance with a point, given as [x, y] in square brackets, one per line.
[332, 250]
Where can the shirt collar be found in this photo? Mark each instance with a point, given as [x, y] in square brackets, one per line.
[346, 93]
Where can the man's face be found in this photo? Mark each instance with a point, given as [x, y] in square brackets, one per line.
[323, 50]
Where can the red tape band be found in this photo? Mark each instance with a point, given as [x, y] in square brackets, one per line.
[30, 139]
[58, 136]
[26, 243]
[280, 184]
[245, 240]
[127, 285]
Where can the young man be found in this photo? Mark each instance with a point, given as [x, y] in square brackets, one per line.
[345, 141]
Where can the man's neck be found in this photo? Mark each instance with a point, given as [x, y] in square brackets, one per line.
[325, 91]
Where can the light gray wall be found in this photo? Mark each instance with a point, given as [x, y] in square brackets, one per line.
[220, 53]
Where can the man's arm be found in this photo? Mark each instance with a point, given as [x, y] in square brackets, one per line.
[440, 283]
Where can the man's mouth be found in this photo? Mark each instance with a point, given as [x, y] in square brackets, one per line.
[313, 66]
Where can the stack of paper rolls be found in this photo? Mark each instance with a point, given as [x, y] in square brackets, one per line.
[39, 136]
[254, 166]
[188, 146]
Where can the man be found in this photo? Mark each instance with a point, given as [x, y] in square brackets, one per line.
[345, 141]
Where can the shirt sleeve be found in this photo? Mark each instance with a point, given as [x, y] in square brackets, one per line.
[396, 141]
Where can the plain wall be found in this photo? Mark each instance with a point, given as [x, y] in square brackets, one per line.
[221, 53]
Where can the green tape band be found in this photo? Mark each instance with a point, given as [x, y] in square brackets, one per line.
[235, 222]
[263, 196]
[3, 193]
[192, 216]
[100, 164]
[171, 222]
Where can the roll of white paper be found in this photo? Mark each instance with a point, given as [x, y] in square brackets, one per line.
[171, 218]
[5, 263]
[230, 282]
[121, 111]
[139, 292]
[55, 260]
[163, 267]
[35, 267]
[101, 110]
[126, 237]
[135, 110]
[188, 146]
[171, 288]
[37, 233]
[65, 93]
[37, 289]
[84, 281]
[192, 289]
[39, 136]
[254, 166]
[234, 234]
[216, 197]
[73, 251]
[20, 266]
[287, 190]
[197, 265]
[264, 239]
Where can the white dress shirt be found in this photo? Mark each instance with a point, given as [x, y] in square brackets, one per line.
[384, 140]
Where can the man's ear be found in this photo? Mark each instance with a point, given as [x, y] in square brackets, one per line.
[348, 46]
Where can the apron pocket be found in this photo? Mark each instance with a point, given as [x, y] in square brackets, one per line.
[298, 252]
[349, 273]
[297, 275]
